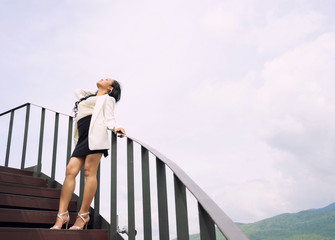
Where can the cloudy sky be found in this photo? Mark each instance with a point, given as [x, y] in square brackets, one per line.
[238, 93]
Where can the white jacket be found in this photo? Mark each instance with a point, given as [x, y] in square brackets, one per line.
[102, 120]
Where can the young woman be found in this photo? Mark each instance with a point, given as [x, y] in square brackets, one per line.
[94, 112]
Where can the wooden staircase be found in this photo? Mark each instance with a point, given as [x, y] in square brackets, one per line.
[28, 208]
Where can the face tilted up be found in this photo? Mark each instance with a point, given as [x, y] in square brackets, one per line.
[105, 84]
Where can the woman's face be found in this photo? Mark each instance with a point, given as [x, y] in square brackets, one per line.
[105, 84]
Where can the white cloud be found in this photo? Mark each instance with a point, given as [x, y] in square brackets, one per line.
[274, 132]
[228, 20]
[220, 20]
[299, 82]
[280, 33]
[298, 108]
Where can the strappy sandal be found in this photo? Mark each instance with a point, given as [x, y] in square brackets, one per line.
[81, 216]
[63, 221]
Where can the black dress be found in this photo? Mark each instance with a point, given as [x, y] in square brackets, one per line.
[81, 149]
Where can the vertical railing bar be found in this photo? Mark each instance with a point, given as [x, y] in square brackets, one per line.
[54, 151]
[146, 194]
[69, 140]
[40, 145]
[131, 195]
[9, 139]
[181, 209]
[162, 200]
[25, 137]
[81, 188]
[113, 209]
[97, 201]
[207, 227]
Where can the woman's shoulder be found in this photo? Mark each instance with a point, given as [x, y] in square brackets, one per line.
[110, 101]
[110, 98]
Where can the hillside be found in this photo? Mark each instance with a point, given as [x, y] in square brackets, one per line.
[313, 224]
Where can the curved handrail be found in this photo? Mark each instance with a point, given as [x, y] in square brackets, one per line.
[223, 222]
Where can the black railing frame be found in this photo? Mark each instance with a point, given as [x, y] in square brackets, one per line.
[210, 214]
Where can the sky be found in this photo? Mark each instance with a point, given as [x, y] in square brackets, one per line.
[238, 93]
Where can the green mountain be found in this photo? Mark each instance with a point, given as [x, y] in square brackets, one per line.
[313, 224]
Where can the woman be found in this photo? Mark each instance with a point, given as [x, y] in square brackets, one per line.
[94, 115]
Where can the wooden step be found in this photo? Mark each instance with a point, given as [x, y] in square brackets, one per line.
[8, 215]
[47, 234]
[31, 202]
[24, 180]
[27, 190]
[16, 171]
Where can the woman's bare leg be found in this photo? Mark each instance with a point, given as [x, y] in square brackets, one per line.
[72, 170]
[91, 166]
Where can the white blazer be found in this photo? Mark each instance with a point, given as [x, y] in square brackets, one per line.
[102, 120]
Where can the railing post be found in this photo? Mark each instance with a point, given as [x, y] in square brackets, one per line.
[54, 152]
[81, 188]
[9, 139]
[130, 183]
[207, 227]
[97, 223]
[181, 209]
[40, 145]
[113, 209]
[162, 200]
[146, 194]
[69, 140]
[25, 137]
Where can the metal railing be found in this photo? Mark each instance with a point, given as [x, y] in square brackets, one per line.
[210, 215]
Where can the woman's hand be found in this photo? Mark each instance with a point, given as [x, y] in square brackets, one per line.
[120, 130]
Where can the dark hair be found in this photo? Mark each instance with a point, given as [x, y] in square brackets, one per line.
[116, 92]
[75, 109]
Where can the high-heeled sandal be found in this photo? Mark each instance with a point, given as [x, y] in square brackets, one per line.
[81, 216]
[63, 221]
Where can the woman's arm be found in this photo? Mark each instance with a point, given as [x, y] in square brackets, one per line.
[109, 116]
[80, 93]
